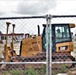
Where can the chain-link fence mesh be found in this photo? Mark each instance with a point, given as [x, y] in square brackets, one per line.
[21, 69]
[25, 44]
[31, 51]
[64, 63]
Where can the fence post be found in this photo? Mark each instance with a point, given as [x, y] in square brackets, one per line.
[49, 45]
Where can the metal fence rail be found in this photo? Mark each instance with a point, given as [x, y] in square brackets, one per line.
[22, 62]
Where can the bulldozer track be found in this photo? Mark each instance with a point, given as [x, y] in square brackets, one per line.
[41, 57]
[36, 58]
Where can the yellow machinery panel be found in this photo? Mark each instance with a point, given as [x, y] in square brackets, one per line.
[64, 47]
[31, 46]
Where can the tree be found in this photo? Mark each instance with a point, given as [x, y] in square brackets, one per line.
[0, 32]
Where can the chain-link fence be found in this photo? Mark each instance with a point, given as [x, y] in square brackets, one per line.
[64, 61]
[21, 46]
[33, 46]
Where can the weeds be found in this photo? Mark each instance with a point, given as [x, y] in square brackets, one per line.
[29, 71]
[63, 69]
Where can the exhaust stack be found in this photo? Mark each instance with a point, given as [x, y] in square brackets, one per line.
[38, 30]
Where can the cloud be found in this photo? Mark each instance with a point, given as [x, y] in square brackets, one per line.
[1, 13]
[71, 11]
[35, 7]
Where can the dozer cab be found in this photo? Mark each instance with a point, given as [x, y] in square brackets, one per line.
[34, 47]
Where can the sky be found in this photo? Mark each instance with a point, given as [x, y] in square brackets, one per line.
[36, 7]
[15, 8]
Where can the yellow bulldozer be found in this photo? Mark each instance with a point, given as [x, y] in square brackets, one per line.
[33, 48]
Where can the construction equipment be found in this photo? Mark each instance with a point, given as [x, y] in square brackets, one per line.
[12, 45]
[6, 48]
[62, 44]
[33, 48]
[9, 50]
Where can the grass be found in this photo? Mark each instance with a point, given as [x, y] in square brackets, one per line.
[20, 72]
[30, 71]
[63, 69]
[5, 73]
